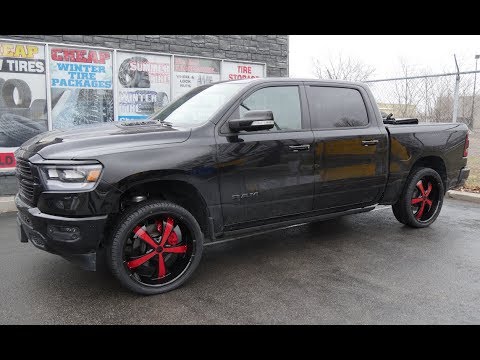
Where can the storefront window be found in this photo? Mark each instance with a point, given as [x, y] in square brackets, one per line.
[191, 72]
[23, 104]
[81, 86]
[143, 84]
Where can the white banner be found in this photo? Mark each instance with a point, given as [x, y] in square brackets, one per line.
[237, 71]
[23, 104]
[81, 86]
[192, 72]
[143, 84]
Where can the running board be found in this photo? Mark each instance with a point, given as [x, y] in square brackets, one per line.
[264, 229]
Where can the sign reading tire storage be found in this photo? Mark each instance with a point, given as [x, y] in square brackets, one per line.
[81, 85]
[143, 84]
[191, 72]
[23, 104]
[238, 71]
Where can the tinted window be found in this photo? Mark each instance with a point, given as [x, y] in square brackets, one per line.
[332, 107]
[283, 101]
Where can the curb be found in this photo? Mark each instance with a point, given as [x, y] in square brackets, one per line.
[465, 196]
[7, 204]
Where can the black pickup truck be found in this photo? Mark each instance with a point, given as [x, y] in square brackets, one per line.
[227, 160]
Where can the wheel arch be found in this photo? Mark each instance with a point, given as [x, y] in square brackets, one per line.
[170, 185]
[434, 162]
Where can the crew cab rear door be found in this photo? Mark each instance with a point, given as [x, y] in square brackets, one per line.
[267, 174]
[351, 149]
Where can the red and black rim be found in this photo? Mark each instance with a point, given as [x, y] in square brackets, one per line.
[425, 199]
[158, 250]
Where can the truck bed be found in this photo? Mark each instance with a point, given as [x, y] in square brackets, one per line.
[442, 142]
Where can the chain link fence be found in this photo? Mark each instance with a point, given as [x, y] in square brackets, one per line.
[431, 98]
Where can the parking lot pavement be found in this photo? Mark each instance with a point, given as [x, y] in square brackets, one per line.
[364, 268]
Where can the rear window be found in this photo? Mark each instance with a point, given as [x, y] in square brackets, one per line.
[332, 107]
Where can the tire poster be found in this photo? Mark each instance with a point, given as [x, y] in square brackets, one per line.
[143, 84]
[23, 104]
[81, 86]
[237, 71]
[192, 72]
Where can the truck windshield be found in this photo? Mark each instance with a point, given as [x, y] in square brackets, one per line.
[198, 105]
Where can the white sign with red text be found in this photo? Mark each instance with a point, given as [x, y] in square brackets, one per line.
[237, 71]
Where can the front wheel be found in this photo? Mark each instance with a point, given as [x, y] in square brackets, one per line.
[421, 200]
[155, 247]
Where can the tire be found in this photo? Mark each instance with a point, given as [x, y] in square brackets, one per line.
[162, 100]
[2, 103]
[145, 276]
[133, 78]
[24, 93]
[421, 200]
[397, 213]
[38, 109]
[20, 129]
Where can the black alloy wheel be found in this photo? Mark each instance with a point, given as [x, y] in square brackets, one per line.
[156, 247]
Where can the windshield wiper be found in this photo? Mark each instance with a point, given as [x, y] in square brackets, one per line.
[245, 106]
[166, 123]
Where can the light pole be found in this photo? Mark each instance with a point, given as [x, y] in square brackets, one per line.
[474, 85]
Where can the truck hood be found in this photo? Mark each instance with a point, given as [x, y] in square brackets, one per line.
[90, 141]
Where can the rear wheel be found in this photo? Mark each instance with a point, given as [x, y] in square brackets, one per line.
[155, 248]
[421, 200]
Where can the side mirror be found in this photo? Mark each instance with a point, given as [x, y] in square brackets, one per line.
[253, 120]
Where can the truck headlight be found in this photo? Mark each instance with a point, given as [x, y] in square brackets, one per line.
[70, 177]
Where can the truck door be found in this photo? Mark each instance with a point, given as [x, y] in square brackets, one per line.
[267, 174]
[351, 149]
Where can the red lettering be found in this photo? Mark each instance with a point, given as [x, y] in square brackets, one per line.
[7, 160]
[241, 76]
[80, 55]
[104, 55]
[68, 55]
[55, 55]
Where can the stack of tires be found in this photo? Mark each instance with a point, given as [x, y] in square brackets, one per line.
[20, 117]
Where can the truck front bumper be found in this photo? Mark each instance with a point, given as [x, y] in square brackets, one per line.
[75, 239]
[463, 176]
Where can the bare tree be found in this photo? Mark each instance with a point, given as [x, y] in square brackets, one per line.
[342, 68]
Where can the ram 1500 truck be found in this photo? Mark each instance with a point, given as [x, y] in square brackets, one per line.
[227, 160]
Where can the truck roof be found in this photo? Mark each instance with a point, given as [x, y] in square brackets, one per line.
[287, 79]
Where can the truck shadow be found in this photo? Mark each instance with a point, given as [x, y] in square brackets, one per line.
[272, 244]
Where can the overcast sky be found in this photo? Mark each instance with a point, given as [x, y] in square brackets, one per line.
[431, 52]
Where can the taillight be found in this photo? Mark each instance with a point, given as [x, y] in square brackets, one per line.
[465, 148]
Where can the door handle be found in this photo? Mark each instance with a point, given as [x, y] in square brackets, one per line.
[297, 148]
[369, 142]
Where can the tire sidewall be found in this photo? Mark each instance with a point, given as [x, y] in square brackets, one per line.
[409, 190]
[123, 229]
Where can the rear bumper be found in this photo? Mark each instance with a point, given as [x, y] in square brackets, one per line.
[75, 239]
[463, 176]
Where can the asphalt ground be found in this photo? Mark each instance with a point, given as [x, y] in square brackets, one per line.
[359, 269]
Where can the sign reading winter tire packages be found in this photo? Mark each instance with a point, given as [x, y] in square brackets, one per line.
[191, 72]
[238, 71]
[81, 86]
[143, 84]
[23, 104]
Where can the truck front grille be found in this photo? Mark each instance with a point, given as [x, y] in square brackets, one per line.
[26, 189]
